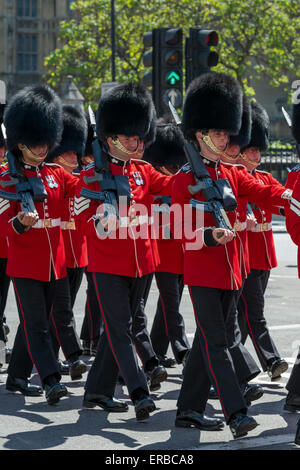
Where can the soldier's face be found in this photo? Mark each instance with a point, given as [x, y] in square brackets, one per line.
[233, 150]
[219, 138]
[126, 147]
[34, 155]
[68, 161]
[253, 154]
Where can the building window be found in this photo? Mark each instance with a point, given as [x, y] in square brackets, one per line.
[27, 53]
[27, 8]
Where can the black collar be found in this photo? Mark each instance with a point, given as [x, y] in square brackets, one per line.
[117, 161]
[211, 163]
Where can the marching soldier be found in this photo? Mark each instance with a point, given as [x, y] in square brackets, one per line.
[4, 279]
[244, 364]
[90, 328]
[166, 154]
[36, 256]
[68, 155]
[293, 226]
[212, 271]
[119, 257]
[262, 254]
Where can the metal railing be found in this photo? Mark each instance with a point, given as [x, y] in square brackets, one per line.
[279, 161]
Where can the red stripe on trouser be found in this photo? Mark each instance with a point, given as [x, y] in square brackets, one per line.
[90, 314]
[251, 332]
[25, 329]
[56, 332]
[207, 353]
[105, 324]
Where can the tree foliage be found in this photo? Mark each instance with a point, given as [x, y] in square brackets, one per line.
[257, 38]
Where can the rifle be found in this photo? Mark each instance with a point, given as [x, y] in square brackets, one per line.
[111, 186]
[27, 189]
[218, 193]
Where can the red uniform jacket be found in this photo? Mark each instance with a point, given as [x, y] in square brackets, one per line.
[128, 251]
[3, 239]
[262, 253]
[74, 240]
[240, 227]
[218, 266]
[32, 254]
[293, 218]
[292, 177]
[170, 251]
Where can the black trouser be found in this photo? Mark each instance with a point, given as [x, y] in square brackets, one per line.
[245, 366]
[92, 322]
[4, 286]
[140, 334]
[33, 345]
[168, 325]
[209, 361]
[293, 384]
[119, 298]
[63, 326]
[251, 317]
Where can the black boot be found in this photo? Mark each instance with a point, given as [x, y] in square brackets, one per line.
[54, 391]
[191, 418]
[14, 384]
[292, 402]
[297, 437]
[240, 424]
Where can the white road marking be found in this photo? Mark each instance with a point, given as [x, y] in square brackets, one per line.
[246, 443]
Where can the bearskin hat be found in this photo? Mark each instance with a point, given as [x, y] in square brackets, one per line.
[74, 133]
[34, 117]
[296, 122]
[243, 137]
[213, 101]
[260, 125]
[126, 109]
[167, 149]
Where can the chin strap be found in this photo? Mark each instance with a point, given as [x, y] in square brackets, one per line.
[207, 140]
[250, 162]
[37, 158]
[121, 147]
[64, 162]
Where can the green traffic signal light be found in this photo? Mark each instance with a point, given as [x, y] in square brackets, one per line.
[173, 77]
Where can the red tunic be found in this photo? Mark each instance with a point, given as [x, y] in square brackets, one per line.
[3, 240]
[293, 218]
[32, 254]
[128, 251]
[74, 240]
[262, 253]
[219, 267]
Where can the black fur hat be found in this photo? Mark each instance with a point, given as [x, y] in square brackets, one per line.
[259, 128]
[167, 149]
[126, 109]
[243, 137]
[74, 133]
[213, 101]
[296, 122]
[34, 117]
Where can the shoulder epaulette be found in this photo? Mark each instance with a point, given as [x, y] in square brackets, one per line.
[90, 165]
[143, 162]
[185, 168]
[296, 167]
[53, 164]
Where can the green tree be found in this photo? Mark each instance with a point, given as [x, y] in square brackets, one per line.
[258, 38]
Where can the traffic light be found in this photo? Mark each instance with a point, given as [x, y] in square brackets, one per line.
[166, 62]
[198, 56]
